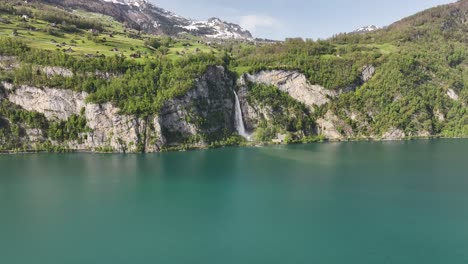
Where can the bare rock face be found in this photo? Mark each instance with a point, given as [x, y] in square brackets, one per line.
[394, 134]
[300, 89]
[296, 85]
[120, 132]
[7, 86]
[108, 129]
[205, 109]
[439, 115]
[56, 71]
[154, 136]
[333, 128]
[250, 113]
[35, 135]
[8, 63]
[367, 73]
[452, 94]
[53, 103]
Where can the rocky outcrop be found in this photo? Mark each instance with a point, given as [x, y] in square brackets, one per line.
[251, 113]
[207, 108]
[452, 94]
[367, 73]
[50, 71]
[439, 115]
[8, 63]
[333, 128]
[394, 134]
[295, 84]
[53, 103]
[108, 129]
[193, 119]
[35, 135]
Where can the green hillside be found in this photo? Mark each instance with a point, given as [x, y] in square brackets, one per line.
[418, 60]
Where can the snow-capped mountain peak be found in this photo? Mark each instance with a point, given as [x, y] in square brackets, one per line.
[366, 29]
[216, 28]
[143, 15]
[160, 21]
[137, 3]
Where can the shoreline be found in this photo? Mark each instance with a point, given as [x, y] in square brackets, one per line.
[249, 144]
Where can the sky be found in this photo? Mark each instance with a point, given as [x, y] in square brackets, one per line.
[280, 19]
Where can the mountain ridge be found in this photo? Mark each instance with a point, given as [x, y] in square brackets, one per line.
[143, 15]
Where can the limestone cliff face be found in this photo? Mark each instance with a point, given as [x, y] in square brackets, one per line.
[334, 128]
[300, 89]
[291, 82]
[295, 84]
[204, 110]
[207, 108]
[53, 103]
[108, 129]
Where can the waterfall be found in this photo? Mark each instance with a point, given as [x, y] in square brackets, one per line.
[239, 121]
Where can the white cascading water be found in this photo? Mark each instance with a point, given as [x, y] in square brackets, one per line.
[239, 120]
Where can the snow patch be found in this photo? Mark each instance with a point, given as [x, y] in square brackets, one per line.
[136, 3]
[219, 28]
[367, 29]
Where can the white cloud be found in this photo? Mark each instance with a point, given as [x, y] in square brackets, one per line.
[253, 22]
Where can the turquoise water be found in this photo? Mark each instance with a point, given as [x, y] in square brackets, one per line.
[398, 202]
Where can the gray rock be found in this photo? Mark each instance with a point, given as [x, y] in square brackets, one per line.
[367, 73]
[452, 94]
[189, 115]
[56, 71]
[295, 84]
[194, 113]
[333, 128]
[35, 135]
[394, 134]
[53, 103]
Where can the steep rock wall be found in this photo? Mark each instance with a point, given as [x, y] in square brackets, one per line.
[295, 84]
[108, 129]
[300, 89]
[206, 109]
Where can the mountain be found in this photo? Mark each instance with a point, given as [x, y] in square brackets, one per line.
[142, 15]
[366, 29]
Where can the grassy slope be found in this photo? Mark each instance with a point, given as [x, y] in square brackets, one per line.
[82, 45]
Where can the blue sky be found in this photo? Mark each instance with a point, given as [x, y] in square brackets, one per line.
[278, 19]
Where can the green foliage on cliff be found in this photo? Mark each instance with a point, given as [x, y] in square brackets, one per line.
[71, 129]
[420, 83]
[286, 114]
[139, 88]
[13, 124]
[323, 62]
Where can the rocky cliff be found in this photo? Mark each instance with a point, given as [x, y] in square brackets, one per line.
[204, 115]
[143, 15]
[295, 84]
[204, 111]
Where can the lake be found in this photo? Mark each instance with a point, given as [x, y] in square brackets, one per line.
[366, 202]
